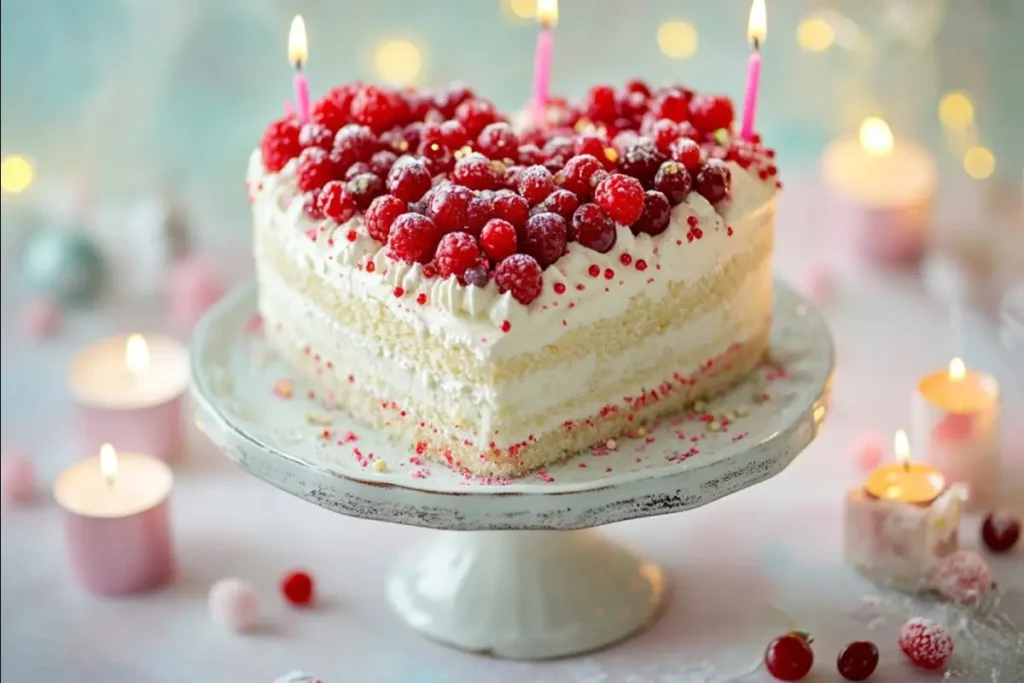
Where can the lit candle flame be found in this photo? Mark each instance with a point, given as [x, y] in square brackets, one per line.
[757, 25]
[875, 136]
[547, 12]
[298, 50]
[136, 354]
[957, 370]
[108, 463]
[901, 444]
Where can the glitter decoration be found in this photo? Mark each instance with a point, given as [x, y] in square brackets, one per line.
[64, 264]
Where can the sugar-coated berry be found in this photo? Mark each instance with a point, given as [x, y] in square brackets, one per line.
[656, 216]
[364, 188]
[297, 588]
[511, 207]
[671, 104]
[476, 276]
[544, 237]
[409, 178]
[963, 577]
[394, 140]
[474, 115]
[858, 660]
[1000, 531]
[595, 146]
[438, 156]
[642, 161]
[498, 238]
[358, 168]
[520, 275]
[559, 146]
[577, 174]
[332, 110]
[448, 206]
[233, 604]
[314, 169]
[476, 172]
[335, 202]
[316, 135]
[381, 215]
[478, 214]
[926, 643]
[789, 657]
[17, 479]
[562, 202]
[638, 85]
[498, 141]
[592, 228]
[373, 107]
[673, 181]
[381, 162]
[456, 252]
[600, 105]
[311, 205]
[413, 238]
[454, 134]
[353, 143]
[621, 197]
[711, 112]
[688, 153]
[280, 143]
[714, 181]
[530, 155]
[664, 132]
[535, 184]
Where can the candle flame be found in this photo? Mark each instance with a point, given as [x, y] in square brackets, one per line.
[901, 444]
[957, 370]
[757, 25]
[547, 12]
[298, 50]
[108, 462]
[875, 136]
[136, 354]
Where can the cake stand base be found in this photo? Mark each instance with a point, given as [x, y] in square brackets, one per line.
[525, 594]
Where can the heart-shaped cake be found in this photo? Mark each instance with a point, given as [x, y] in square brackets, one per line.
[502, 296]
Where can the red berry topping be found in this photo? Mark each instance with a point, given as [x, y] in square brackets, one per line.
[789, 657]
[578, 173]
[544, 237]
[316, 135]
[498, 239]
[595, 146]
[335, 202]
[858, 660]
[926, 643]
[656, 215]
[621, 197]
[671, 104]
[600, 106]
[535, 184]
[448, 206]
[280, 144]
[562, 202]
[497, 141]
[315, 169]
[521, 275]
[353, 143]
[381, 215]
[453, 134]
[559, 146]
[592, 228]
[456, 252]
[332, 110]
[711, 112]
[357, 168]
[438, 156]
[674, 181]
[530, 155]
[1000, 531]
[642, 160]
[664, 132]
[687, 152]
[477, 276]
[409, 178]
[637, 85]
[475, 171]
[475, 115]
[511, 207]
[413, 238]
[364, 188]
[479, 212]
[297, 588]
[311, 204]
[373, 107]
[381, 162]
[714, 181]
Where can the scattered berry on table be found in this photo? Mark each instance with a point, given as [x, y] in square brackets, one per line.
[1000, 531]
[297, 588]
[858, 660]
[789, 657]
[926, 643]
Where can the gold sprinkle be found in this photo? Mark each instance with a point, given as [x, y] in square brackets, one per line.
[403, 145]
[463, 151]
[499, 167]
[742, 410]
[380, 465]
[611, 154]
[641, 430]
[713, 426]
[584, 126]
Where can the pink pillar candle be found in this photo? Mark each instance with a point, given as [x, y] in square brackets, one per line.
[116, 523]
[542, 76]
[301, 84]
[128, 390]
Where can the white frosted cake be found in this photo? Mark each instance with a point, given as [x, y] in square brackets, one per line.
[500, 299]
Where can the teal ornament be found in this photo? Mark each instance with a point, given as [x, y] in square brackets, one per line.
[64, 264]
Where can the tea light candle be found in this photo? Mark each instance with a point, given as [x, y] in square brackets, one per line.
[117, 527]
[883, 192]
[129, 390]
[956, 415]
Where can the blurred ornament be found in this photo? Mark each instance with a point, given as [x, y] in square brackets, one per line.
[963, 577]
[63, 263]
[193, 285]
[17, 479]
[233, 604]
[817, 283]
[40, 317]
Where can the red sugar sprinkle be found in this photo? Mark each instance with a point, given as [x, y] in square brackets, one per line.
[698, 233]
[351, 235]
[399, 292]
[626, 259]
[692, 221]
[641, 265]
[506, 326]
[594, 270]
[609, 273]
[580, 288]
[421, 298]
[559, 288]
[728, 231]
[370, 267]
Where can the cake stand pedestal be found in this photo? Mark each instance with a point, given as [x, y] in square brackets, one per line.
[518, 571]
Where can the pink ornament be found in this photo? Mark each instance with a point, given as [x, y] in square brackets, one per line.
[193, 286]
[963, 577]
[17, 479]
[869, 451]
[817, 284]
[40, 318]
[233, 604]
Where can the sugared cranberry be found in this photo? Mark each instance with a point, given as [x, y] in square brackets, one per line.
[476, 276]
[480, 211]
[364, 188]
[357, 168]
[595, 146]
[711, 112]
[510, 178]
[453, 134]
[437, 155]
[544, 237]
[687, 152]
[631, 108]
[353, 143]
[381, 215]
[621, 197]
[530, 155]
[671, 104]
[511, 207]
[714, 181]
[476, 172]
[333, 109]
[674, 181]
[316, 135]
[413, 134]
[858, 660]
[456, 94]
[642, 161]
[623, 140]
[561, 146]
[656, 215]
[789, 657]
[373, 107]
[664, 132]
[592, 228]
[381, 162]
[498, 239]
[448, 206]
[577, 174]
[521, 275]
[311, 205]
[315, 169]
[562, 202]
[497, 141]
[297, 588]
[409, 178]
[280, 143]
[600, 105]
[637, 85]
[926, 643]
[456, 252]
[1000, 531]
[535, 184]
[474, 115]
[335, 202]
[413, 238]
[394, 140]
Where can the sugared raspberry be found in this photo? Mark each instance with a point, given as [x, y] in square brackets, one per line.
[280, 143]
[409, 178]
[357, 168]
[511, 207]
[530, 155]
[456, 94]
[642, 161]
[381, 215]
[656, 215]
[559, 146]
[437, 155]
[544, 237]
[535, 184]
[453, 134]
[592, 228]
[448, 205]
[311, 205]
[714, 181]
[474, 115]
[401, 109]
[364, 188]
[413, 238]
[381, 162]
[638, 85]
[521, 275]
[963, 577]
[476, 276]
[687, 152]
[600, 105]
[562, 202]
[316, 135]
[333, 109]
[315, 169]
[476, 172]
[673, 181]
[394, 140]
[480, 211]
[353, 143]
[664, 132]
[456, 252]
[711, 112]
[671, 104]
[373, 107]
[498, 239]
[926, 643]
[577, 174]
[413, 134]
[497, 141]
[621, 197]
[596, 146]
[510, 178]
[335, 202]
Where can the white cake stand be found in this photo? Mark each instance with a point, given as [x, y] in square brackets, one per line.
[518, 571]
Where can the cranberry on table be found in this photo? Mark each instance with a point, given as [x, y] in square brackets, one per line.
[381, 215]
[592, 228]
[858, 660]
[621, 197]
[1000, 531]
[297, 588]
[656, 216]
[714, 181]
[521, 275]
[789, 657]
[674, 181]
[456, 252]
[544, 237]
[413, 238]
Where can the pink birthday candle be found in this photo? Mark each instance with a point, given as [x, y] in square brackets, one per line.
[547, 15]
[298, 52]
[757, 30]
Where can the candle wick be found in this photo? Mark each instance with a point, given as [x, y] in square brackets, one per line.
[110, 480]
[298, 65]
[757, 44]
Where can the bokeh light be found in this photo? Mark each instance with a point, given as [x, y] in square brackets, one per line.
[875, 136]
[956, 110]
[677, 39]
[815, 34]
[397, 62]
[522, 9]
[15, 174]
[979, 162]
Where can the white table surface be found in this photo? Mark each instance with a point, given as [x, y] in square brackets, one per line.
[741, 570]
